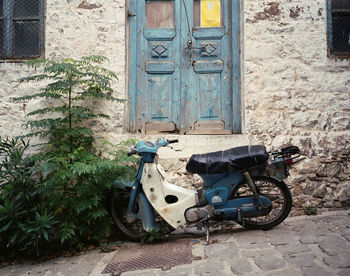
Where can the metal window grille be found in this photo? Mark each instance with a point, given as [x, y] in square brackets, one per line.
[339, 27]
[21, 29]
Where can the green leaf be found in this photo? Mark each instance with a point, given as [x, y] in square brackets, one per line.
[46, 235]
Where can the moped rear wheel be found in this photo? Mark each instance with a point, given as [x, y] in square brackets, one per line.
[119, 206]
[277, 192]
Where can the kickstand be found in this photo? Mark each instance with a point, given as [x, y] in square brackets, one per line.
[207, 232]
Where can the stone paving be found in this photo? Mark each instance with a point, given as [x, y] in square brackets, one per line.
[315, 246]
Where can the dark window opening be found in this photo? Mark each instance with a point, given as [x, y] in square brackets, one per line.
[339, 27]
[21, 29]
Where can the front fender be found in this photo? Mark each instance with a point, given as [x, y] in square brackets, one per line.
[123, 185]
[146, 213]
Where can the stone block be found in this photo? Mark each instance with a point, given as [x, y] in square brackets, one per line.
[302, 260]
[223, 250]
[269, 262]
[292, 249]
[176, 271]
[250, 253]
[211, 268]
[319, 191]
[344, 272]
[240, 266]
[334, 244]
[316, 270]
[335, 262]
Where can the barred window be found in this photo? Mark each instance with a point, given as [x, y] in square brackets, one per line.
[21, 29]
[339, 27]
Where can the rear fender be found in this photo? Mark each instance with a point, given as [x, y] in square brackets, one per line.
[277, 170]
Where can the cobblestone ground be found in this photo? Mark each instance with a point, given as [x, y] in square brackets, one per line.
[314, 246]
[300, 246]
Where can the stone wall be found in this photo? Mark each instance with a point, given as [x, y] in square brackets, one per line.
[293, 93]
[74, 28]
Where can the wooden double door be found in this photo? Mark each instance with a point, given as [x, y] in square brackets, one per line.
[184, 66]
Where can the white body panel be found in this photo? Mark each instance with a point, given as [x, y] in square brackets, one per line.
[156, 189]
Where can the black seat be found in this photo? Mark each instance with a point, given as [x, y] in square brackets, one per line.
[238, 158]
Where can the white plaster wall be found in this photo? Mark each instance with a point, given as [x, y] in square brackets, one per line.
[74, 29]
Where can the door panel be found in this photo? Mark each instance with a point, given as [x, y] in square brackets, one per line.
[181, 76]
[157, 67]
[210, 73]
[209, 86]
[160, 88]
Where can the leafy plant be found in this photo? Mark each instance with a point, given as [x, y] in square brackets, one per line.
[72, 83]
[152, 237]
[25, 220]
[346, 203]
[310, 211]
[76, 180]
[119, 153]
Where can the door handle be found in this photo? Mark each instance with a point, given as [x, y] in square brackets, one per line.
[191, 48]
[131, 14]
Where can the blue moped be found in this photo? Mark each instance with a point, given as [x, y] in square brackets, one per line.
[242, 184]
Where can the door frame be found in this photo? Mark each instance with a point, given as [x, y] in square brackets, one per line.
[131, 62]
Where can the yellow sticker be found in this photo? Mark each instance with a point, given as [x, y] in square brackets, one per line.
[210, 13]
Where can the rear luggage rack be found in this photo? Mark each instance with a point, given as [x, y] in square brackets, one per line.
[287, 154]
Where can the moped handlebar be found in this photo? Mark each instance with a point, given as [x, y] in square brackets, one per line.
[132, 152]
[172, 141]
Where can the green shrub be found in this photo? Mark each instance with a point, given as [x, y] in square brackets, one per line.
[26, 222]
[68, 199]
[346, 203]
[310, 211]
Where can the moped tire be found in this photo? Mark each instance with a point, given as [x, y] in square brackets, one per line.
[280, 210]
[119, 205]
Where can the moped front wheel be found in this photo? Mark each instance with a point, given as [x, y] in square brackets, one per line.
[119, 206]
[277, 192]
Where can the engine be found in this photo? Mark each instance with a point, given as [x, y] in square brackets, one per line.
[198, 213]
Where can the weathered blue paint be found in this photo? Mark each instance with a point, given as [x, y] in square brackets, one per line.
[208, 33]
[160, 67]
[197, 86]
[123, 185]
[146, 213]
[132, 55]
[208, 94]
[236, 66]
[329, 26]
[161, 34]
[222, 192]
[277, 169]
[248, 206]
[135, 190]
[207, 67]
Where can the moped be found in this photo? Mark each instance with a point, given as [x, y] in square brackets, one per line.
[242, 184]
